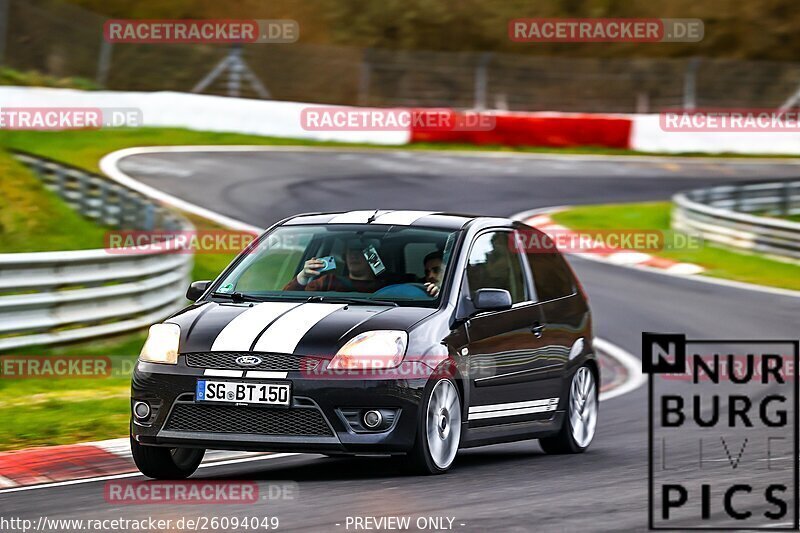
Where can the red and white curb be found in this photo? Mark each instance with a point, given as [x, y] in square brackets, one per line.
[55, 464]
[545, 223]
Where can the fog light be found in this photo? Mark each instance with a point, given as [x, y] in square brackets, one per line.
[372, 419]
[141, 410]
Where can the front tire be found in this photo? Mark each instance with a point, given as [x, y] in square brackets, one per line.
[579, 426]
[166, 463]
[438, 430]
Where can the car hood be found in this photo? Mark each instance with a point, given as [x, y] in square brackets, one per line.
[318, 329]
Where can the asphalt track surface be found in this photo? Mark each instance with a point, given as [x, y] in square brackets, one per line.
[510, 487]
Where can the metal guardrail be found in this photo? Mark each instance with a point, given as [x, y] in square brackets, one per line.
[734, 215]
[52, 297]
[100, 199]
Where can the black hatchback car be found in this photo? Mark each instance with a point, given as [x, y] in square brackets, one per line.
[401, 333]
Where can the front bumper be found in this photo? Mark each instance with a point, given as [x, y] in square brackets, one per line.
[313, 423]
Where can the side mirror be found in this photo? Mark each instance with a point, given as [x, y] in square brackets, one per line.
[492, 300]
[196, 290]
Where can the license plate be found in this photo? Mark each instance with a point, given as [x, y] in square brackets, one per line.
[243, 392]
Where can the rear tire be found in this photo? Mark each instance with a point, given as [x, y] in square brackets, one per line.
[438, 430]
[166, 463]
[578, 429]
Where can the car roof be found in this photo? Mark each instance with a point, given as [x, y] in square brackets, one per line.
[429, 219]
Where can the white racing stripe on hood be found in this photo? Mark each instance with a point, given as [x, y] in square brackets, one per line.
[240, 332]
[285, 333]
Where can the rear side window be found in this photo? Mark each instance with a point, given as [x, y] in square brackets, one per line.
[551, 275]
[493, 265]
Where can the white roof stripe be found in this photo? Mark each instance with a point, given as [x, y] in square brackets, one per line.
[352, 217]
[401, 218]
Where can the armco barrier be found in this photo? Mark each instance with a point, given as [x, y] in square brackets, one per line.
[52, 297]
[100, 199]
[725, 215]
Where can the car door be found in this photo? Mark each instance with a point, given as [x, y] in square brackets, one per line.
[508, 358]
[565, 315]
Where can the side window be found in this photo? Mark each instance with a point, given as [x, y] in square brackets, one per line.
[551, 275]
[493, 263]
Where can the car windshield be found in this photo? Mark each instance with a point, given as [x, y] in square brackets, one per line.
[387, 265]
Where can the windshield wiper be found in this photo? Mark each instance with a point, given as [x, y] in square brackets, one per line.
[236, 297]
[346, 300]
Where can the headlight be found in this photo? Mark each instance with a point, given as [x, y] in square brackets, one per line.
[161, 345]
[370, 350]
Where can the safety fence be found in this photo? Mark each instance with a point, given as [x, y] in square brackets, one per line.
[61, 296]
[100, 199]
[63, 41]
[743, 216]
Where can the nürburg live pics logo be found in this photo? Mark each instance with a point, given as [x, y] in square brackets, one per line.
[723, 433]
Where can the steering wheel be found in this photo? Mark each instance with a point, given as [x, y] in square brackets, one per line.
[404, 290]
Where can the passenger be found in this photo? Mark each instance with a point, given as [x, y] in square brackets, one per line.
[360, 277]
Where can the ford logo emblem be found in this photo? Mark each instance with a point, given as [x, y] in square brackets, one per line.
[248, 360]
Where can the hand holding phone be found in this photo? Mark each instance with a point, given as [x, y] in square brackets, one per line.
[314, 267]
[329, 263]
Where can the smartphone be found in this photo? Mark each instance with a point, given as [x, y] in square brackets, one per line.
[330, 263]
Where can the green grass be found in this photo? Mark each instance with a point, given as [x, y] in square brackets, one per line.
[32, 78]
[84, 148]
[49, 411]
[718, 261]
[34, 219]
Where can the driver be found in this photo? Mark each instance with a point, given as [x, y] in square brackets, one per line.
[360, 277]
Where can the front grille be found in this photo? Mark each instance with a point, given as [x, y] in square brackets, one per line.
[277, 362]
[307, 422]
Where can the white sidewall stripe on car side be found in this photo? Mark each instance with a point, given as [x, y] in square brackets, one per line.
[285, 333]
[498, 410]
[242, 331]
